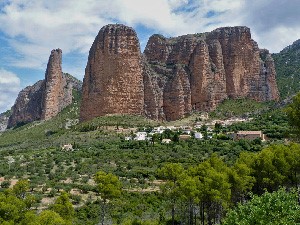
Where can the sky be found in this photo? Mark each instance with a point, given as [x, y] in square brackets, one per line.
[30, 29]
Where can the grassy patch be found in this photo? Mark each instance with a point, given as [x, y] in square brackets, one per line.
[238, 107]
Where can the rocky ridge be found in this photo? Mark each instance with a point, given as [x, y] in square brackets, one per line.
[174, 76]
[46, 98]
[113, 82]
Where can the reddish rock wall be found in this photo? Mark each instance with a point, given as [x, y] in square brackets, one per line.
[54, 83]
[225, 63]
[46, 98]
[113, 82]
[28, 105]
[177, 75]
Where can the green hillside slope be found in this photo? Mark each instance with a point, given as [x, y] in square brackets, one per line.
[287, 63]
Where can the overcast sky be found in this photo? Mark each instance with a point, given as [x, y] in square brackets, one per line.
[30, 29]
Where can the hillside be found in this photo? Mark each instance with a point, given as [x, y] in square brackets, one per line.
[287, 64]
[60, 154]
[35, 152]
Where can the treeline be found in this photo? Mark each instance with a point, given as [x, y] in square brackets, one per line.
[17, 207]
[202, 194]
[191, 195]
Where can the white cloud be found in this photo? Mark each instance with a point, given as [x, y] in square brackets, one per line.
[9, 89]
[35, 27]
[32, 28]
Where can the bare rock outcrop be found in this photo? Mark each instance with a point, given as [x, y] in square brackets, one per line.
[28, 105]
[175, 76]
[4, 120]
[46, 98]
[224, 63]
[54, 83]
[113, 82]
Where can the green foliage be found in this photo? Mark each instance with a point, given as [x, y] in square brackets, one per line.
[277, 208]
[15, 208]
[125, 121]
[206, 184]
[109, 188]
[108, 185]
[293, 114]
[171, 172]
[12, 208]
[287, 64]
[63, 207]
[21, 187]
[48, 217]
[238, 107]
[273, 123]
[5, 184]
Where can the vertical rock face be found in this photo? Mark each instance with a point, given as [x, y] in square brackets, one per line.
[28, 105]
[113, 82]
[54, 83]
[177, 95]
[46, 98]
[207, 80]
[175, 76]
[225, 63]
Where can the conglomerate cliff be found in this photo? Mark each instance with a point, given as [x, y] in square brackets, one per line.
[174, 76]
[113, 82]
[46, 98]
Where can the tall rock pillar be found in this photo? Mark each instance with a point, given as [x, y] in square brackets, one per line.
[113, 81]
[53, 86]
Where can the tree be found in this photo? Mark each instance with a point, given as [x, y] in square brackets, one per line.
[109, 188]
[189, 193]
[30, 218]
[63, 207]
[292, 155]
[277, 208]
[218, 128]
[241, 181]
[172, 173]
[214, 188]
[5, 184]
[293, 114]
[49, 217]
[12, 208]
[20, 188]
[270, 169]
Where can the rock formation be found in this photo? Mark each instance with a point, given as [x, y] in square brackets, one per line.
[54, 83]
[175, 76]
[225, 63]
[46, 98]
[4, 120]
[113, 82]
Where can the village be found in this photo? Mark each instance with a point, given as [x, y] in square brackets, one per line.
[202, 129]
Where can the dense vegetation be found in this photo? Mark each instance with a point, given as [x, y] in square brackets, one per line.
[106, 179]
[239, 107]
[276, 208]
[287, 64]
[189, 194]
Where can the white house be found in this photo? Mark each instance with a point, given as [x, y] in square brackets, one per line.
[186, 131]
[141, 136]
[198, 135]
[158, 130]
[67, 147]
[166, 141]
